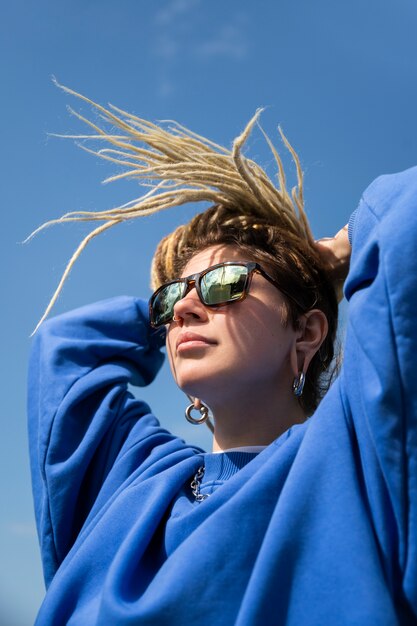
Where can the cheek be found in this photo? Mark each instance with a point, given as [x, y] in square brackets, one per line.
[262, 340]
[260, 324]
[260, 349]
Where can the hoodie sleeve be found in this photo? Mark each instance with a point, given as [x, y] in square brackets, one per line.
[378, 377]
[82, 419]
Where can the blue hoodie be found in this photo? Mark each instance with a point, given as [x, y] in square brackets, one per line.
[319, 528]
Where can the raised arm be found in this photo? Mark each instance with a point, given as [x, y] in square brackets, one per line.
[378, 380]
[82, 418]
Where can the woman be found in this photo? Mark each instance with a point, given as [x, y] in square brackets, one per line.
[290, 520]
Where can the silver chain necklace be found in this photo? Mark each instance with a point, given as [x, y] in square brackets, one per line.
[196, 483]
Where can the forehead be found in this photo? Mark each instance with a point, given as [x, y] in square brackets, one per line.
[210, 256]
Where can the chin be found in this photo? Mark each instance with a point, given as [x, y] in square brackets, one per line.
[195, 376]
[198, 387]
[208, 382]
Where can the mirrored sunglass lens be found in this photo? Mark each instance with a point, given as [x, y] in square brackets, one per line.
[224, 284]
[163, 303]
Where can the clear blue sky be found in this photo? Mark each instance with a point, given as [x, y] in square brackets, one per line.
[340, 77]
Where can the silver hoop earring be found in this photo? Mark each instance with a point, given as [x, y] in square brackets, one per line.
[204, 412]
[298, 384]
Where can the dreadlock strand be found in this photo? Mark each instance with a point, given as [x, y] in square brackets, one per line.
[241, 165]
[153, 135]
[298, 195]
[73, 259]
[196, 138]
[106, 157]
[115, 140]
[279, 202]
[281, 172]
[121, 153]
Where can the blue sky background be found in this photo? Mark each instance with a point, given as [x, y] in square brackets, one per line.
[340, 77]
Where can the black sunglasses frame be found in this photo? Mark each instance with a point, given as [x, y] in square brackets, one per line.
[194, 280]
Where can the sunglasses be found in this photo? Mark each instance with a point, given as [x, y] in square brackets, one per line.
[217, 285]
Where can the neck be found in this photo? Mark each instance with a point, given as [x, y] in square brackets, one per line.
[251, 420]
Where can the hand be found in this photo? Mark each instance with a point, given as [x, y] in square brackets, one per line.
[335, 252]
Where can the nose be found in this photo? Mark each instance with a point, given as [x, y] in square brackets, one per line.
[190, 308]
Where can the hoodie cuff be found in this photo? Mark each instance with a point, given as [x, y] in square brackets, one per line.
[351, 225]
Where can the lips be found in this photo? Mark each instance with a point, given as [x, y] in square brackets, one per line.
[189, 337]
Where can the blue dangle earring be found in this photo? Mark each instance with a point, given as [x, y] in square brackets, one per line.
[298, 384]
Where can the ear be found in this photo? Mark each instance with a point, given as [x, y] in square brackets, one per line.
[311, 333]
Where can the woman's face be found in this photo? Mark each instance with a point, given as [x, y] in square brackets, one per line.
[234, 348]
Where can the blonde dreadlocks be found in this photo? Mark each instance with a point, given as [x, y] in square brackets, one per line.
[182, 167]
